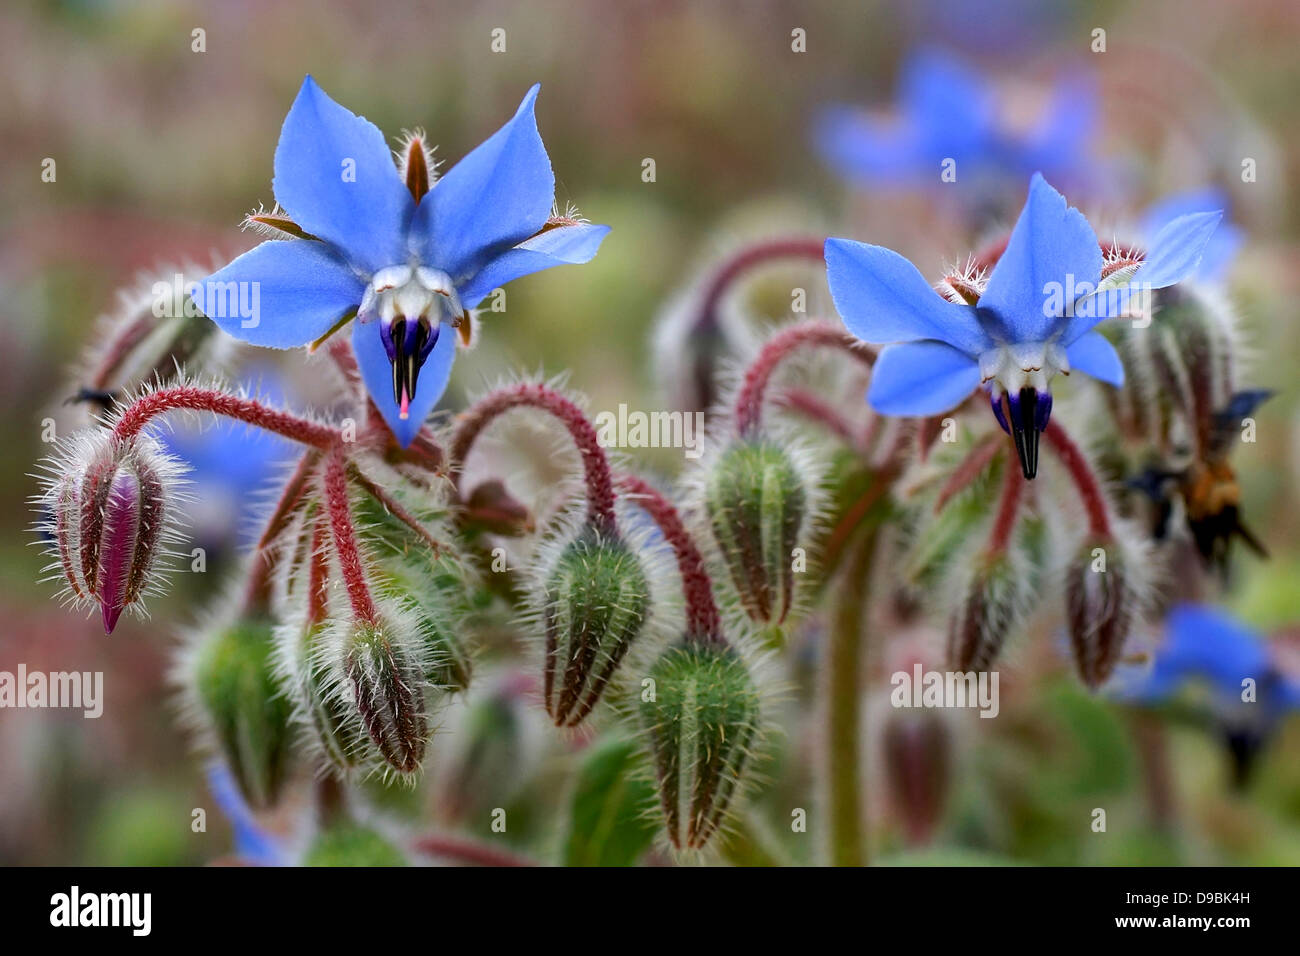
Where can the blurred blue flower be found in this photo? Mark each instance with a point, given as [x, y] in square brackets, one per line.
[1223, 245]
[407, 267]
[253, 844]
[1206, 644]
[1033, 317]
[947, 111]
[231, 465]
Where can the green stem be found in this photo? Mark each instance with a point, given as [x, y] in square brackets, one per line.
[843, 682]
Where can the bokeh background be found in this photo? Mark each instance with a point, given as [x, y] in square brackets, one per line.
[161, 150]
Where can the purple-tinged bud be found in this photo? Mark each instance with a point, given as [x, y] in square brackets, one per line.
[702, 716]
[111, 512]
[1101, 603]
[388, 692]
[595, 601]
[918, 768]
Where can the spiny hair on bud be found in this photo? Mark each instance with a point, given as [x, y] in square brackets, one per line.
[757, 506]
[592, 596]
[231, 698]
[702, 719]
[109, 514]
[361, 692]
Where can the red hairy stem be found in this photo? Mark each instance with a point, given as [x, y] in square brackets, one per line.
[595, 465]
[318, 567]
[395, 509]
[1013, 489]
[1094, 501]
[814, 332]
[811, 406]
[463, 850]
[344, 531]
[971, 467]
[140, 412]
[750, 257]
[703, 623]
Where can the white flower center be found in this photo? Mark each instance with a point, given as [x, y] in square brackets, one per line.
[1023, 365]
[411, 292]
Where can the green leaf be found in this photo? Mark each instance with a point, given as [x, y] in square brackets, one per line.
[608, 822]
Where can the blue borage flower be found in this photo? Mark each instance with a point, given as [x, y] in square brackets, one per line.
[1223, 245]
[408, 259]
[1204, 643]
[1011, 332]
[947, 111]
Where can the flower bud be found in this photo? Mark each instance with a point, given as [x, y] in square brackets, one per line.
[388, 694]
[757, 503]
[111, 512]
[1101, 603]
[596, 601]
[324, 708]
[993, 603]
[918, 768]
[239, 705]
[350, 844]
[702, 722]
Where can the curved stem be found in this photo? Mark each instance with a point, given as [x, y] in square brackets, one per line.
[595, 464]
[144, 409]
[345, 540]
[814, 332]
[750, 257]
[703, 623]
[1094, 501]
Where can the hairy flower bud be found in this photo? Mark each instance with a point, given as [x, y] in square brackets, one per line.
[596, 601]
[307, 658]
[702, 722]
[110, 509]
[994, 601]
[387, 689]
[238, 704]
[1101, 603]
[757, 504]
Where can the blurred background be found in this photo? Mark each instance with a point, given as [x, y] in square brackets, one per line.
[160, 150]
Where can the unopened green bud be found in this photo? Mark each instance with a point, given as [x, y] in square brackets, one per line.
[242, 708]
[329, 715]
[388, 694]
[757, 503]
[702, 722]
[596, 603]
